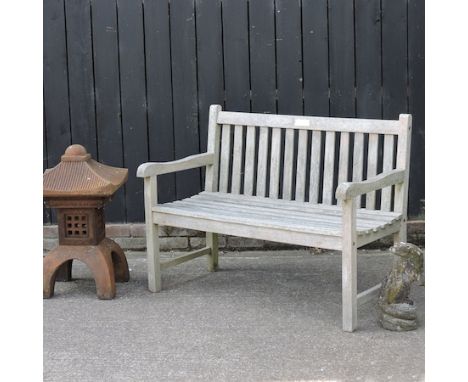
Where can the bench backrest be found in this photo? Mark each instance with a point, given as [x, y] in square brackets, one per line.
[305, 158]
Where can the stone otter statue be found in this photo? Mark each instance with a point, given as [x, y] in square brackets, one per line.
[396, 310]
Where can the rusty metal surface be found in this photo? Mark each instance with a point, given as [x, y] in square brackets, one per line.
[79, 175]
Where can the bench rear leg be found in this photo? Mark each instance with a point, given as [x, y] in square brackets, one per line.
[212, 242]
[153, 258]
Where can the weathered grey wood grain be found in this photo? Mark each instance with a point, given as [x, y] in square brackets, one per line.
[387, 166]
[301, 168]
[328, 167]
[275, 161]
[342, 227]
[237, 159]
[225, 158]
[159, 168]
[249, 160]
[314, 179]
[262, 161]
[288, 164]
[375, 126]
[372, 157]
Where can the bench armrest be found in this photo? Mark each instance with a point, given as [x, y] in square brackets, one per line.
[348, 190]
[159, 168]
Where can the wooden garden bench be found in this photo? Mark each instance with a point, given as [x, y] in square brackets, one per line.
[276, 177]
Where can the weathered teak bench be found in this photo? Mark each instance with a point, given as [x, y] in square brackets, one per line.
[265, 181]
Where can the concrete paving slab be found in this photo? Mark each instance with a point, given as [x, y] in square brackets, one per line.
[264, 316]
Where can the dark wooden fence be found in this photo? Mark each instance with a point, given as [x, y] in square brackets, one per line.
[132, 80]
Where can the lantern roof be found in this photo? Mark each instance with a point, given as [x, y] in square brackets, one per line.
[78, 174]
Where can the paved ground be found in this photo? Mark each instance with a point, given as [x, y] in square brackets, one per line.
[265, 316]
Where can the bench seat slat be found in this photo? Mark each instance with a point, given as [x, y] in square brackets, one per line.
[365, 224]
[306, 210]
[218, 207]
[290, 204]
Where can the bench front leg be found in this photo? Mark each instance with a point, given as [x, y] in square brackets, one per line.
[212, 243]
[152, 236]
[349, 265]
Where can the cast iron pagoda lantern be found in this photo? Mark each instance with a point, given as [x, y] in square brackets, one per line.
[78, 187]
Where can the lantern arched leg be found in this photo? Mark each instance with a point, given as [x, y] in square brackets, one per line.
[119, 261]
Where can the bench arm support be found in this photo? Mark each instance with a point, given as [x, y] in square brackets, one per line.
[158, 168]
[349, 190]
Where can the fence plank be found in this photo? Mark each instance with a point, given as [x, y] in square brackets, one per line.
[236, 55]
[107, 87]
[81, 74]
[159, 92]
[209, 62]
[416, 104]
[394, 40]
[184, 87]
[262, 55]
[133, 98]
[289, 56]
[56, 102]
[315, 40]
[341, 46]
[368, 59]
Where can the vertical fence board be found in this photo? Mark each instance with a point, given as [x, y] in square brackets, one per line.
[416, 104]
[236, 55]
[341, 42]
[133, 80]
[289, 56]
[262, 55]
[133, 98]
[210, 62]
[159, 91]
[81, 74]
[184, 85]
[107, 89]
[56, 102]
[394, 46]
[368, 59]
[315, 57]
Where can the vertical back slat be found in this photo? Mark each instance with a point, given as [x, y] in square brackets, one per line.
[302, 144]
[275, 161]
[314, 180]
[372, 158]
[329, 163]
[214, 134]
[237, 160]
[288, 164]
[389, 141]
[358, 157]
[262, 161]
[225, 156]
[344, 155]
[249, 160]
